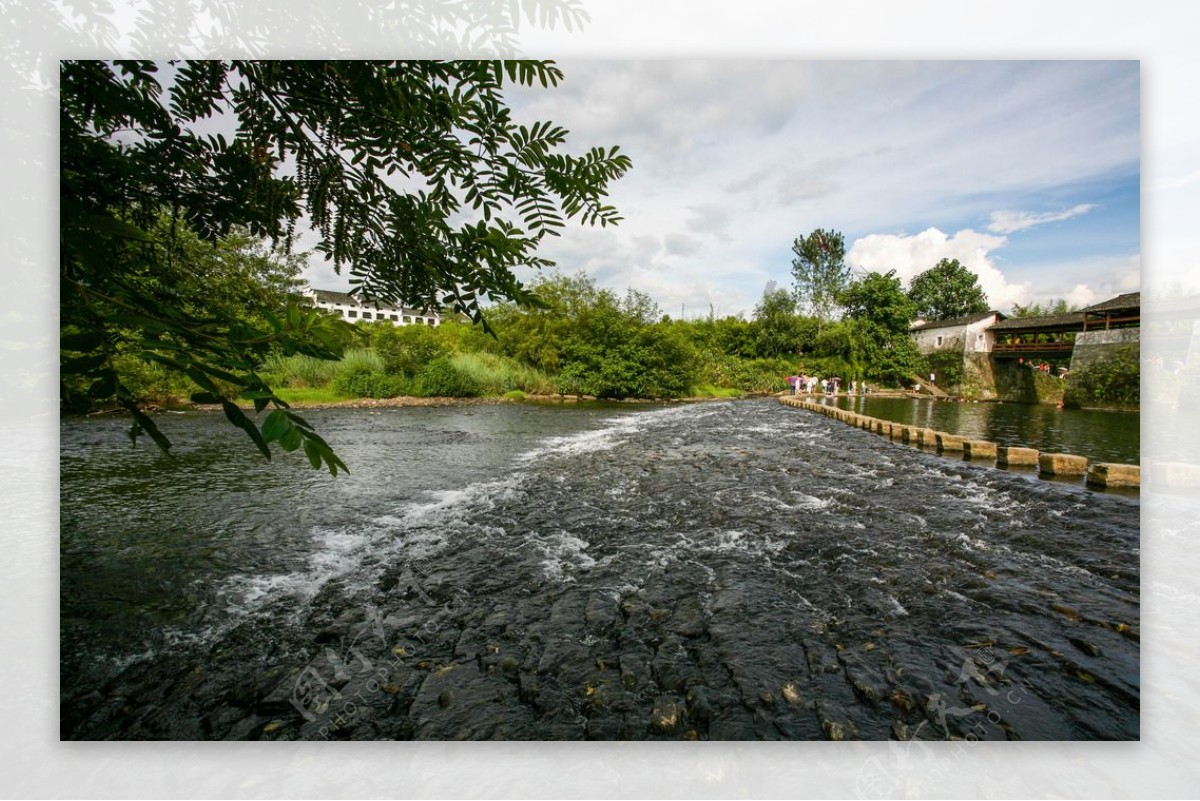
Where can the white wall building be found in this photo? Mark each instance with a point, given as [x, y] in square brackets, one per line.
[354, 309]
[967, 334]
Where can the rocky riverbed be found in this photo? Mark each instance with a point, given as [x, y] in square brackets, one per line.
[732, 570]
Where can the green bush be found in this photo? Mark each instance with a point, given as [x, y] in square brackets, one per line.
[360, 374]
[762, 375]
[440, 379]
[406, 349]
[149, 381]
[372, 384]
[1114, 381]
[299, 371]
[494, 374]
[358, 360]
[948, 369]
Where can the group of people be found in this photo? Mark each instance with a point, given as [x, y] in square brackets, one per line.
[812, 385]
[1043, 367]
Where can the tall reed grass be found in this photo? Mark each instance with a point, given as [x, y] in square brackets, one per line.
[307, 372]
[494, 374]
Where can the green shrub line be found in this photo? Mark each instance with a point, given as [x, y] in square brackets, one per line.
[363, 373]
[579, 340]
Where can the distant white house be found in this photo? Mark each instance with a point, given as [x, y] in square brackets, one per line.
[356, 309]
[964, 335]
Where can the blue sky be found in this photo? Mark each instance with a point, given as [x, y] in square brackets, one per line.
[1027, 172]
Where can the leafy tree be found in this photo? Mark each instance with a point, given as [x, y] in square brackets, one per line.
[413, 174]
[775, 330]
[947, 290]
[1048, 309]
[820, 271]
[879, 299]
[599, 344]
[406, 349]
[873, 340]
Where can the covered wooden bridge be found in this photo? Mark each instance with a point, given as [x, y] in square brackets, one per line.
[1123, 311]
[1051, 337]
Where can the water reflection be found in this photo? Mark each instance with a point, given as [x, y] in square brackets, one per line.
[1099, 435]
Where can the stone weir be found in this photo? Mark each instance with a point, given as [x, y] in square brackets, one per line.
[1101, 475]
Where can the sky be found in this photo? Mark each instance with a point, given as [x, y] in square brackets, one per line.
[1027, 172]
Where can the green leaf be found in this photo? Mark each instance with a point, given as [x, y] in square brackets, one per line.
[203, 380]
[82, 365]
[313, 451]
[111, 226]
[291, 439]
[103, 387]
[239, 419]
[143, 424]
[276, 425]
[82, 342]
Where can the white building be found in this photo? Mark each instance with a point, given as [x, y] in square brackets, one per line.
[356, 309]
[964, 335]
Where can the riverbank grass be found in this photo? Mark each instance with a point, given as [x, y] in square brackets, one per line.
[304, 396]
[709, 391]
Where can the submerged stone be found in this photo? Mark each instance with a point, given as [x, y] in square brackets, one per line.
[1106, 474]
[1062, 464]
[1011, 456]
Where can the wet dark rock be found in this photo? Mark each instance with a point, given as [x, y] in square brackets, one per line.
[673, 668]
[821, 658]
[865, 686]
[699, 704]
[406, 621]
[451, 704]
[667, 714]
[635, 670]
[222, 719]
[340, 628]
[798, 725]
[903, 700]
[529, 689]
[735, 723]
[605, 728]
[249, 728]
[1089, 648]
[688, 618]
[568, 609]
[835, 723]
[602, 612]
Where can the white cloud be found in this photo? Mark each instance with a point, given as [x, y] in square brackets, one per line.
[911, 255]
[681, 244]
[1007, 222]
[1088, 280]
[1128, 277]
[1082, 295]
[733, 160]
[709, 218]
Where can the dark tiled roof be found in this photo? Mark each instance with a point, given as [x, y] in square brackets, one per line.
[955, 321]
[346, 299]
[1130, 300]
[329, 296]
[1071, 320]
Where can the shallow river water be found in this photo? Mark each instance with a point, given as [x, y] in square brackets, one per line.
[726, 570]
[1102, 436]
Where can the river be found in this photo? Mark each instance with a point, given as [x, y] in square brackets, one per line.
[726, 570]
